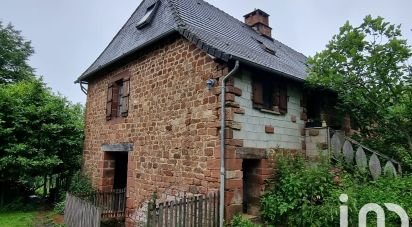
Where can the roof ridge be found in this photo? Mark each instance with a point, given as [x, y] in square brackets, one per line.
[209, 29]
[234, 18]
[273, 40]
[221, 11]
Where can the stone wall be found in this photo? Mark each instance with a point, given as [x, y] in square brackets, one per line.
[316, 141]
[267, 130]
[249, 133]
[172, 123]
[173, 127]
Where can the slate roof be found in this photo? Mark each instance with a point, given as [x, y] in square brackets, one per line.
[211, 29]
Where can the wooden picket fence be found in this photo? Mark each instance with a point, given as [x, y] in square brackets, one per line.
[112, 203]
[200, 210]
[364, 158]
[80, 213]
[89, 209]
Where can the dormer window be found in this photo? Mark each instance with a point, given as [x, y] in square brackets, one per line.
[147, 18]
[265, 48]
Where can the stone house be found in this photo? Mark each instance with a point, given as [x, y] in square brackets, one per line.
[153, 104]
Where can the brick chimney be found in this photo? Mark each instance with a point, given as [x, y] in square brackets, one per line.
[259, 21]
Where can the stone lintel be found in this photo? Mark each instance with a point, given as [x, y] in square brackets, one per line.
[251, 153]
[118, 147]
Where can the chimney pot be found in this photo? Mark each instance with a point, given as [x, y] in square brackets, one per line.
[259, 21]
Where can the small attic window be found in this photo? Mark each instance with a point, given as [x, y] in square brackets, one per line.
[265, 48]
[147, 18]
[270, 51]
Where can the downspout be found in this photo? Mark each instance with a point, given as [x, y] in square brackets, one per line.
[222, 144]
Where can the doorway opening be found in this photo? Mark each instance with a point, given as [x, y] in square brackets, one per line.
[112, 194]
[251, 186]
[115, 170]
[120, 170]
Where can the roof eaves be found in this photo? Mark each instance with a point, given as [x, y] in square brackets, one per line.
[85, 76]
[267, 69]
[86, 73]
[203, 46]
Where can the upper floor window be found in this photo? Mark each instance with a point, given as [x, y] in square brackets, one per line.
[270, 95]
[118, 93]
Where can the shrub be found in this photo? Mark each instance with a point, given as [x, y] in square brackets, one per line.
[59, 207]
[80, 184]
[308, 195]
[240, 221]
[387, 190]
[296, 189]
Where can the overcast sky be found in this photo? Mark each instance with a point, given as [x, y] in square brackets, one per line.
[68, 35]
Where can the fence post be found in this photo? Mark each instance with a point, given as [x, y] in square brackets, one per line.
[200, 209]
[151, 210]
[184, 210]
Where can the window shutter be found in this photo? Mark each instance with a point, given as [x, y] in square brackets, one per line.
[125, 97]
[115, 103]
[283, 99]
[257, 95]
[276, 98]
[109, 101]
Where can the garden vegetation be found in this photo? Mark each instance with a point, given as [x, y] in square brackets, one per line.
[41, 133]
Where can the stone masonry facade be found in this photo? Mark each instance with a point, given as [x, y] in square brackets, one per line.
[172, 124]
[267, 130]
[173, 127]
[252, 133]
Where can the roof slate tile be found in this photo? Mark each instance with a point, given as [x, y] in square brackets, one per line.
[208, 27]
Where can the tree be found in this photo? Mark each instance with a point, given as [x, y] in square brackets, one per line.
[367, 66]
[40, 133]
[14, 54]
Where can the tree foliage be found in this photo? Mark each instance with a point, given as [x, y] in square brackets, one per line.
[14, 54]
[367, 66]
[41, 133]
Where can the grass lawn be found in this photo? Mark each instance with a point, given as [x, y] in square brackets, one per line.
[17, 218]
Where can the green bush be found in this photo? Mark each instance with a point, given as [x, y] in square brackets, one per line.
[240, 221]
[80, 184]
[308, 195]
[387, 190]
[59, 207]
[295, 191]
